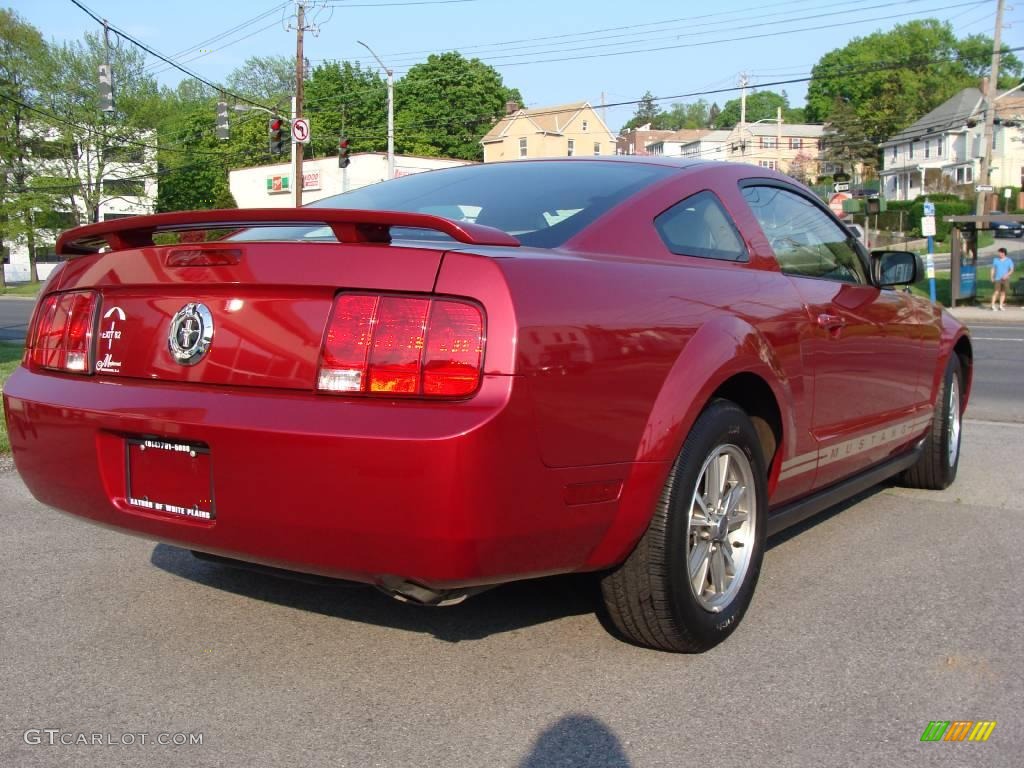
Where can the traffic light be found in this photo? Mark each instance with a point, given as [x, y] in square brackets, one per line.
[276, 139]
[106, 89]
[222, 120]
[343, 152]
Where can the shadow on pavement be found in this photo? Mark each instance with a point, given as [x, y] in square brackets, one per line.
[577, 740]
[783, 536]
[503, 609]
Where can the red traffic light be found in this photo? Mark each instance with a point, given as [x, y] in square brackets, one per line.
[275, 124]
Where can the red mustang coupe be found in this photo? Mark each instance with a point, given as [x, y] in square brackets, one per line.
[636, 367]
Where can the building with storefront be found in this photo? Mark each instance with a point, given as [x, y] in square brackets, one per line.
[271, 186]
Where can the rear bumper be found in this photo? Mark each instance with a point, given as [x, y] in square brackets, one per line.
[446, 495]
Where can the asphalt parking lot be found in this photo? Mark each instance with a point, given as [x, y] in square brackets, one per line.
[897, 609]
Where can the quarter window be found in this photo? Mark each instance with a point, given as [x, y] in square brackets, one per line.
[806, 241]
[700, 226]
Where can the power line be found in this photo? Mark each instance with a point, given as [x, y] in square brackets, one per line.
[121, 33]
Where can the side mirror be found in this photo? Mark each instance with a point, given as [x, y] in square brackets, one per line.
[891, 268]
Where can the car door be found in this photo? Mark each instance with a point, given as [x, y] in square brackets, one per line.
[863, 356]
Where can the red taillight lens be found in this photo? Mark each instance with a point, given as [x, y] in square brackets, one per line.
[398, 345]
[62, 333]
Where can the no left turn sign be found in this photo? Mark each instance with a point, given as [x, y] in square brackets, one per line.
[300, 130]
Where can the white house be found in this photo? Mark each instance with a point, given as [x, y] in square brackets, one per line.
[128, 185]
[711, 145]
[942, 151]
[270, 186]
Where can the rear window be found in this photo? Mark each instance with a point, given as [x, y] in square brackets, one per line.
[541, 203]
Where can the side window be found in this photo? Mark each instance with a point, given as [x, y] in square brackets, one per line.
[807, 243]
[699, 226]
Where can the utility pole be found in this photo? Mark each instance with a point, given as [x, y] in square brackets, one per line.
[298, 150]
[990, 113]
[778, 140]
[743, 111]
[391, 109]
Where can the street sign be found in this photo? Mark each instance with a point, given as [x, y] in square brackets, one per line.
[983, 188]
[841, 186]
[300, 130]
[836, 202]
[929, 209]
[928, 226]
[1006, 193]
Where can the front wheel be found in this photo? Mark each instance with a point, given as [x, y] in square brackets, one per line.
[692, 575]
[940, 457]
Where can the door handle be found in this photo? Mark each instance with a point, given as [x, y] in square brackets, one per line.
[831, 322]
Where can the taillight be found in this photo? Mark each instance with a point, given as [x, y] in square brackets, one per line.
[61, 337]
[401, 345]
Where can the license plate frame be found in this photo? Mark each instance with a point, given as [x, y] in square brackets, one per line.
[171, 477]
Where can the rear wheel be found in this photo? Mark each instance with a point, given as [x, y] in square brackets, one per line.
[692, 575]
[936, 469]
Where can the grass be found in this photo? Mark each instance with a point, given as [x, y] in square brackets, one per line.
[985, 239]
[21, 289]
[10, 357]
[943, 288]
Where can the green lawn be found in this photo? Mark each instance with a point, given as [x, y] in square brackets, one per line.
[943, 288]
[21, 289]
[10, 356]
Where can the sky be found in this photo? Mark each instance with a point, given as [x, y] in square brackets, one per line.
[554, 52]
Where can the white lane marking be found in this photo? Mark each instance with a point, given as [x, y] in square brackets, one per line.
[989, 423]
[994, 338]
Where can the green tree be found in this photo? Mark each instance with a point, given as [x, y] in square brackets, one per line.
[94, 144]
[682, 115]
[22, 54]
[646, 112]
[269, 80]
[882, 83]
[344, 94]
[761, 105]
[444, 106]
[193, 162]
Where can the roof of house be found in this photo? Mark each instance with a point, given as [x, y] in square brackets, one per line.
[683, 136]
[721, 135]
[802, 130]
[955, 111]
[547, 120]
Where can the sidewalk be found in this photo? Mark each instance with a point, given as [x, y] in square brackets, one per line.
[983, 315]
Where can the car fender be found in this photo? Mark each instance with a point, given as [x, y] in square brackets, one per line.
[719, 350]
[951, 333]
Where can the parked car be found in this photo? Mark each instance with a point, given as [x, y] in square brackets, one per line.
[637, 367]
[1006, 227]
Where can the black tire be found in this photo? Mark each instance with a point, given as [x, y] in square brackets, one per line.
[936, 470]
[649, 597]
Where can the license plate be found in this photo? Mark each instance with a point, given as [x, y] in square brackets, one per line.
[170, 477]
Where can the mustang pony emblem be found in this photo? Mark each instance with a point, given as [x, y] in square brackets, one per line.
[190, 333]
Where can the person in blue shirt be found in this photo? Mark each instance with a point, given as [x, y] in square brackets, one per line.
[1002, 268]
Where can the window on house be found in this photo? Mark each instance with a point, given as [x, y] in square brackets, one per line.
[572, 147]
[938, 146]
[46, 253]
[768, 164]
[48, 150]
[116, 216]
[124, 154]
[584, 126]
[911, 155]
[6, 253]
[893, 151]
[597, 148]
[795, 143]
[769, 142]
[927, 148]
[57, 220]
[124, 188]
[522, 147]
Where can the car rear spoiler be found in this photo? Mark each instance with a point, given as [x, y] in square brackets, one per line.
[349, 226]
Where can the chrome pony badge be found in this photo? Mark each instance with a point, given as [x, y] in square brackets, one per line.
[190, 334]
